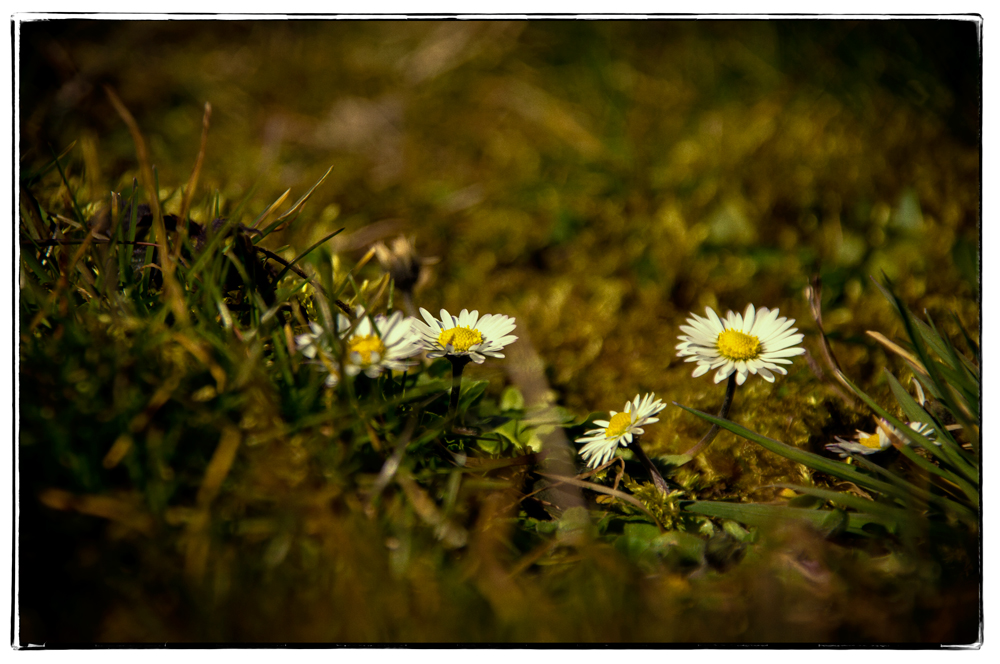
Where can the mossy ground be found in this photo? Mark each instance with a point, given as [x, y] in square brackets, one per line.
[596, 180]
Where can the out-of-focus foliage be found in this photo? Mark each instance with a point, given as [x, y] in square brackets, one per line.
[186, 476]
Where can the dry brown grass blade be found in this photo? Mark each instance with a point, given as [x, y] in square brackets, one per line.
[145, 165]
[118, 450]
[105, 507]
[197, 540]
[912, 359]
[302, 201]
[171, 289]
[196, 349]
[218, 467]
[270, 209]
[195, 174]
[813, 293]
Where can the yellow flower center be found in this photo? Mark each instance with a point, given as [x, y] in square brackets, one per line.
[870, 441]
[736, 345]
[617, 425]
[365, 345]
[460, 338]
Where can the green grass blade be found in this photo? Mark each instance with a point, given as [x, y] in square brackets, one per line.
[31, 178]
[894, 515]
[930, 336]
[814, 461]
[298, 204]
[304, 254]
[72, 197]
[968, 379]
[946, 395]
[967, 488]
[753, 514]
[916, 413]
[972, 345]
[208, 251]
[910, 434]
[922, 495]
[948, 451]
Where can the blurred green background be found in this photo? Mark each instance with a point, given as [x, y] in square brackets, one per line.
[598, 180]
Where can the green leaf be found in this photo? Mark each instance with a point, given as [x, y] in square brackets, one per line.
[738, 532]
[511, 399]
[472, 391]
[520, 435]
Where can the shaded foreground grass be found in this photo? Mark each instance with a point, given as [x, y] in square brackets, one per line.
[185, 475]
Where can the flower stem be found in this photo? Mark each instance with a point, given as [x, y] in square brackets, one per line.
[723, 413]
[654, 474]
[458, 363]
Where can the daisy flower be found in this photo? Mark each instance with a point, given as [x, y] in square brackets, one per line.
[376, 343]
[758, 342]
[373, 344]
[870, 443]
[315, 345]
[464, 335]
[600, 444]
